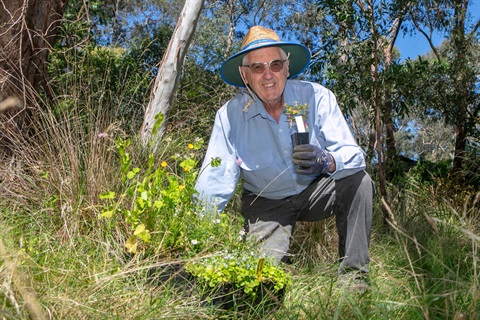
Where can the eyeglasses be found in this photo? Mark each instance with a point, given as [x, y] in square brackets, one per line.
[259, 67]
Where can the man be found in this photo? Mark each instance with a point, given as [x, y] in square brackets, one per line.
[252, 135]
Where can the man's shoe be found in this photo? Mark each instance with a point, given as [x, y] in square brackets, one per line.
[353, 282]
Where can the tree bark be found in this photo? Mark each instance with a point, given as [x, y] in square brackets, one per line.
[28, 29]
[460, 67]
[387, 100]
[169, 72]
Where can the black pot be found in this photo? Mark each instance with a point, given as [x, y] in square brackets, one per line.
[227, 297]
[299, 138]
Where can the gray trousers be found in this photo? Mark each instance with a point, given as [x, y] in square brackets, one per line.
[272, 222]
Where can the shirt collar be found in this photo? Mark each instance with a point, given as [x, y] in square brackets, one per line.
[256, 109]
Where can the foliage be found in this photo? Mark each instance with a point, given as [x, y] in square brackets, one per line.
[157, 205]
[432, 224]
[241, 269]
[115, 77]
[152, 193]
[458, 99]
[77, 265]
[101, 78]
[428, 86]
[199, 95]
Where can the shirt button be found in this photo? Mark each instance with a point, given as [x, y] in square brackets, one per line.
[280, 130]
[257, 166]
[286, 151]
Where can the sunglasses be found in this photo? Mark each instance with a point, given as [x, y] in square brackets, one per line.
[259, 67]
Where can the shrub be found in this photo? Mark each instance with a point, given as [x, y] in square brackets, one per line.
[157, 205]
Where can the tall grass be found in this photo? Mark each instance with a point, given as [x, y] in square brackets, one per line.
[76, 265]
[73, 265]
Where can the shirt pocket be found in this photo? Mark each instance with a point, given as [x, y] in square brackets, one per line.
[257, 161]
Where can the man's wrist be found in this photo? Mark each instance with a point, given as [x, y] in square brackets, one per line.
[325, 161]
[333, 165]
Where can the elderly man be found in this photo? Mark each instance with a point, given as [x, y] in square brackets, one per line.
[255, 134]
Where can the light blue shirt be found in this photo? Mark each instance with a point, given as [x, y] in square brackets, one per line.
[254, 147]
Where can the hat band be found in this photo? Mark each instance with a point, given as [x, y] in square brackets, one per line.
[256, 43]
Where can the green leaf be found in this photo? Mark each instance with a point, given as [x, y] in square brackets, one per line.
[131, 174]
[142, 233]
[139, 229]
[43, 174]
[107, 195]
[158, 121]
[216, 162]
[259, 270]
[131, 244]
[107, 214]
[151, 161]
[188, 164]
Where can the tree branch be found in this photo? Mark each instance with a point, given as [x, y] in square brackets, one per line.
[429, 39]
[475, 28]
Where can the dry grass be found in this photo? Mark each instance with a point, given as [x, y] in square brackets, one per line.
[74, 266]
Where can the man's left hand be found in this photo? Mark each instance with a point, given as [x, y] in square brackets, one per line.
[311, 159]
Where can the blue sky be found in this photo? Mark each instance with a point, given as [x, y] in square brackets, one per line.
[413, 46]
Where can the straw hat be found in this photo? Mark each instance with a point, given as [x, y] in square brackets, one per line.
[259, 37]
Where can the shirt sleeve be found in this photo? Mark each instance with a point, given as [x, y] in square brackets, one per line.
[338, 138]
[216, 184]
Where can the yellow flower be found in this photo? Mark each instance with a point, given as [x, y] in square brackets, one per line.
[190, 146]
[181, 187]
[164, 164]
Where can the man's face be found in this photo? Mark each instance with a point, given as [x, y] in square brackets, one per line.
[268, 85]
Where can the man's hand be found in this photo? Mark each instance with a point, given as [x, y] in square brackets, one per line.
[311, 159]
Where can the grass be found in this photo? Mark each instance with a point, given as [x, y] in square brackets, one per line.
[60, 261]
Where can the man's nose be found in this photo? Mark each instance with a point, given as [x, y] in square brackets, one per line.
[268, 72]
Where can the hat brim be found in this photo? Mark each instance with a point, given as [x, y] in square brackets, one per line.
[299, 60]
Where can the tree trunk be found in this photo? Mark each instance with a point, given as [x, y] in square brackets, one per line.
[379, 127]
[28, 29]
[460, 145]
[387, 101]
[168, 74]
[460, 67]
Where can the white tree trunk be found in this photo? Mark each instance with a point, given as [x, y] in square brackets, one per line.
[169, 72]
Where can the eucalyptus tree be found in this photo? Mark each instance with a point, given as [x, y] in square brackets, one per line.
[121, 22]
[457, 66]
[169, 72]
[358, 61]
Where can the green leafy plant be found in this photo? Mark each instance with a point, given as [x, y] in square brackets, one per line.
[158, 207]
[155, 200]
[241, 268]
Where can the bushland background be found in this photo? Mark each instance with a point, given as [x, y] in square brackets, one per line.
[98, 224]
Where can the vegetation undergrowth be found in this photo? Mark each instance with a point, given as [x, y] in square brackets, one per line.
[109, 255]
[96, 226]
